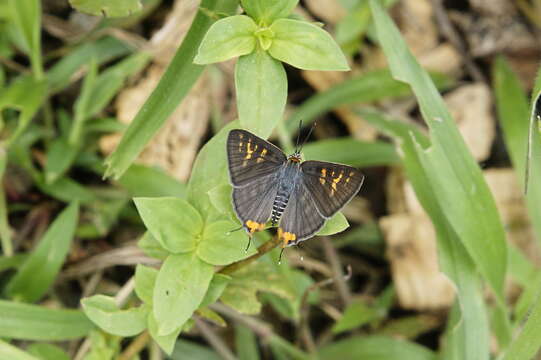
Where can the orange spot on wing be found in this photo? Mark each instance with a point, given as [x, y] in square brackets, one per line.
[254, 226]
[286, 237]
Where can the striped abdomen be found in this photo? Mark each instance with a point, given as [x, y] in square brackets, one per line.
[279, 205]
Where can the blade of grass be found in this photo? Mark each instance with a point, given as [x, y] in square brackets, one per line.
[469, 205]
[38, 272]
[173, 86]
[32, 322]
[5, 231]
[11, 352]
[27, 17]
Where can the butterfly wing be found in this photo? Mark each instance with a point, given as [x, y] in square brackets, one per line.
[253, 202]
[300, 220]
[251, 158]
[331, 185]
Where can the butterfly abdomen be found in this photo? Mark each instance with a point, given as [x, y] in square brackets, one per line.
[287, 180]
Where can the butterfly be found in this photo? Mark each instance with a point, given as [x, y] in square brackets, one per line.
[296, 196]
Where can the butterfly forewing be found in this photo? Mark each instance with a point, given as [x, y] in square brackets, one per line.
[301, 220]
[331, 185]
[251, 158]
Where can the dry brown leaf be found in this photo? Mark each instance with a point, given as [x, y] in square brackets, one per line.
[329, 11]
[471, 107]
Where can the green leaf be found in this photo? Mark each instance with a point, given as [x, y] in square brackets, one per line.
[216, 288]
[26, 95]
[305, 46]
[11, 352]
[59, 158]
[26, 14]
[145, 280]
[241, 292]
[469, 205]
[375, 348]
[227, 38]
[147, 181]
[265, 11]
[117, 8]
[40, 269]
[261, 85]
[67, 190]
[334, 225]
[222, 246]
[220, 197]
[190, 350]
[46, 351]
[356, 315]
[152, 247]
[32, 322]
[5, 231]
[246, 343]
[513, 115]
[365, 88]
[173, 222]
[166, 342]
[180, 287]
[104, 312]
[168, 93]
[352, 152]
[211, 316]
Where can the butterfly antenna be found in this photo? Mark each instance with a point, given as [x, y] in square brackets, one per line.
[232, 231]
[309, 134]
[280, 257]
[298, 136]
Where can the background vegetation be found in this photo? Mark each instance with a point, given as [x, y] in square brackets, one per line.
[115, 211]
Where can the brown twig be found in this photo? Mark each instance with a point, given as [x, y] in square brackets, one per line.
[450, 33]
[214, 340]
[303, 328]
[135, 347]
[262, 250]
[336, 266]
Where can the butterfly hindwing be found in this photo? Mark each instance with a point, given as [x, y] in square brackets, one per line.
[331, 185]
[300, 220]
[253, 202]
[251, 158]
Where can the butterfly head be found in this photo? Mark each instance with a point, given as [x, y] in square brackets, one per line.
[295, 157]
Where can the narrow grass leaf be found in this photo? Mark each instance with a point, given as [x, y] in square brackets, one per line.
[26, 15]
[216, 288]
[32, 322]
[5, 231]
[104, 312]
[45, 351]
[189, 350]
[117, 8]
[173, 86]
[261, 85]
[11, 352]
[173, 222]
[40, 269]
[180, 287]
[469, 205]
[246, 343]
[60, 156]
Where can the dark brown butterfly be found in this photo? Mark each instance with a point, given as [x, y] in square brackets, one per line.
[297, 196]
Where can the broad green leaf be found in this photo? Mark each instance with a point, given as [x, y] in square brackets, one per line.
[220, 197]
[44, 351]
[227, 38]
[26, 95]
[103, 346]
[352, 152]
[180, 287]
[166, 342]
[266, 11]
[190, 350]
[211, 316]
[104, 312]
[513, 115]
[152, 247]
[246, 343]
[26, 15]
[117, 8]
[168, 93]
[469, 205]
[241, 292]
[334, 225]
[216, 288]
[222, 246]
[365, 88]
[12, 262]
[305, 46]
[261, 85]
[102, 50]
[39, 270]
[32, 322]
[375, 348]
[145, 280]
[11, 352]
[173, 222]
[147, 181]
